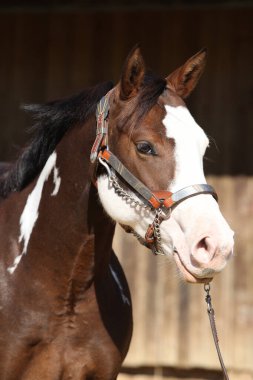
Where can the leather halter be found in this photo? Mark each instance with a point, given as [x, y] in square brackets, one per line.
[157, 200]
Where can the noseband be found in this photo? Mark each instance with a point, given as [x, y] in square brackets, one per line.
[161, 202]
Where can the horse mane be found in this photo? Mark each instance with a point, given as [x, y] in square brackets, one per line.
[54, 119]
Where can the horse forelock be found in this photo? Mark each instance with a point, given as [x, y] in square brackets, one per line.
[132, 111]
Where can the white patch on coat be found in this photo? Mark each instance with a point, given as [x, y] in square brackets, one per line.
[117, 280]
[57, 182]
[190, 146]
[30, 213]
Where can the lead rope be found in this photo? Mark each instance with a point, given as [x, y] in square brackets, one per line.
[211, 315]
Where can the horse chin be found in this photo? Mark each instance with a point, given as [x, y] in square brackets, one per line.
[186, 274]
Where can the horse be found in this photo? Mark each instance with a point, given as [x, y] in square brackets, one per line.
[130, 154]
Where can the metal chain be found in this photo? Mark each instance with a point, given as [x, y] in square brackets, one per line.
[124, 194]
[157, 233]
[157, 247]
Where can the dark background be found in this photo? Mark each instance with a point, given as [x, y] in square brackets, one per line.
[51, 49]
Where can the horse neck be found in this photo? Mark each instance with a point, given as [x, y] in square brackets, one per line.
[72, 237]
[93, 230]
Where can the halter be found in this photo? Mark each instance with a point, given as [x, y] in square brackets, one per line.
[161, 202]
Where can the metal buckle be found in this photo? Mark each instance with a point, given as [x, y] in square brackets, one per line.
[102, 112]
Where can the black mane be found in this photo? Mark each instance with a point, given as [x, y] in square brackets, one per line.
[53, 119]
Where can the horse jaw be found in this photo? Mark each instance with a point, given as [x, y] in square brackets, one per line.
[120, 210]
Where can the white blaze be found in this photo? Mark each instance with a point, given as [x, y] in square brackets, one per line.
[198, 217]
[191, 143]
[30, 213]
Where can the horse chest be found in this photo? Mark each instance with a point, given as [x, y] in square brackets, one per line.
[88, 342]
[76, 353]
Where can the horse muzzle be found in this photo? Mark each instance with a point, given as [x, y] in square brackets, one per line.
[201, 272]
[199, 257]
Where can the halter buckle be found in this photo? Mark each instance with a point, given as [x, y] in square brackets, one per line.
[102, 113]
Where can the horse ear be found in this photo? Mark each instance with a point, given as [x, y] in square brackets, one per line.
[132, 75]
[184, 79]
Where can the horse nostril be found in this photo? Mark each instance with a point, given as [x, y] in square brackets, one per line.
[202, 244]
[203, 251]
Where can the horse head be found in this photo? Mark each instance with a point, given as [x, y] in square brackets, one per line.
[154, 136]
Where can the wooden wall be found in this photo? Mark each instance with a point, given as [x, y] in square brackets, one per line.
[46, 55]
[51, 54]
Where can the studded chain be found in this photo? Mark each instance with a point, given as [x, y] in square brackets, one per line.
[157, 233]
[124, 194]
[157, 246]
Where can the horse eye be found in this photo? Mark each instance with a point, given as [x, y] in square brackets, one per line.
[145, 147]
